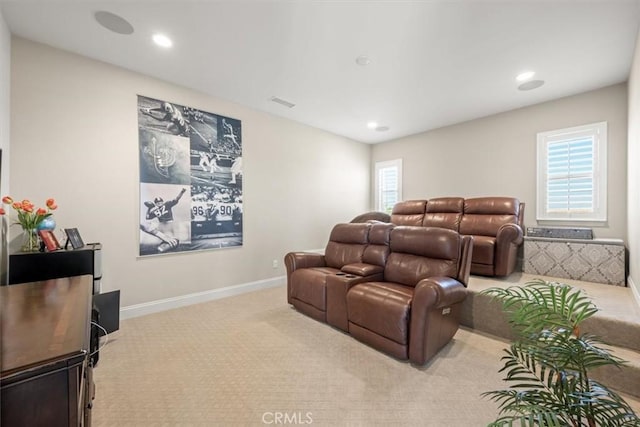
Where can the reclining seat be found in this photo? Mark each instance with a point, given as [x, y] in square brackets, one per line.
[307, 272]
[496, 226]
[409, 212]
[415, 311]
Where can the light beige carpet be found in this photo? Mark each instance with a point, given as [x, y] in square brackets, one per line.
[253, 360]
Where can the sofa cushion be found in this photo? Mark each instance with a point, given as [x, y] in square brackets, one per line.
[484, 247]
[485, 215]
[346, 244]
[309, 285]
[362, 269]
[381, 307]
[409, 212]
[421, 252]
[377, 250]
[444, 212]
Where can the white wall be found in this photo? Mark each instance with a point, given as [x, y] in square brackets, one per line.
[5, 67]
[75, 138]
[633, 193]
[496, 155]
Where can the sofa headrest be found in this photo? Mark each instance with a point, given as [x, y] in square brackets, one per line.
[372, 216]
[409, 212]
[356, 233]
[379, 233]
[445, 205]
[409, 207]
[430, 242]
[492, 206]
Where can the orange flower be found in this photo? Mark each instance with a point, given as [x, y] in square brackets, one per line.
[29, 217]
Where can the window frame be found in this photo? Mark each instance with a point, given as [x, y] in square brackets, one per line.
[378, 167]
[598, 133]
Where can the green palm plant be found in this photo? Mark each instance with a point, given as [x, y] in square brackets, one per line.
[549, 361]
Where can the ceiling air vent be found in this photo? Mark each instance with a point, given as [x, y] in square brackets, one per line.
[282, 102]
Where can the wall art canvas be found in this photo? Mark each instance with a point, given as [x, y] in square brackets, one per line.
[190, 178]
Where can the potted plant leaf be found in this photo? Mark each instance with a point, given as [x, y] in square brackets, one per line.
[550, 360]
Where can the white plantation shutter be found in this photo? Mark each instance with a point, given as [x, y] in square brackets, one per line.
[572, 174]
[388, 184]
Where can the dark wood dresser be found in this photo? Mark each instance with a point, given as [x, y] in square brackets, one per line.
[45, 377]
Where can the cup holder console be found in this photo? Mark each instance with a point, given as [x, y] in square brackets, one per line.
[345, 275]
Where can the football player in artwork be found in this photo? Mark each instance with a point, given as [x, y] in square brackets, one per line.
[159, 221]
[177, 125]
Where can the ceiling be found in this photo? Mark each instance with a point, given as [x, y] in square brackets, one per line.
[432, 63]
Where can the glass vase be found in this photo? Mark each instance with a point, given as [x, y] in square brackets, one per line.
[30, 241]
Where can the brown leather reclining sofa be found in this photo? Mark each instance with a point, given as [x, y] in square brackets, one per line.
[397, 288]
[496, 224]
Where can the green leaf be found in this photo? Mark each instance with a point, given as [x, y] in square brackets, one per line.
[548, 364]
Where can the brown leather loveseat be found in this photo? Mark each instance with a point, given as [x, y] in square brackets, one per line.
[496, 224]
[397, 288]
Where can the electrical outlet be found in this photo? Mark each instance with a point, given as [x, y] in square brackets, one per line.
[275, 263]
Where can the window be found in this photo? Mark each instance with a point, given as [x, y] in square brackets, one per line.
[388, 184]
[572, 174]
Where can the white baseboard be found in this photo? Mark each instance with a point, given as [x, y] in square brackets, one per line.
[634, 290]
[143, 309]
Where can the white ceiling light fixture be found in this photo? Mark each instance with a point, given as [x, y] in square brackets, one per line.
[372, 125]
[162, 40]
[527, 75]
[113, 22]
[532, 84]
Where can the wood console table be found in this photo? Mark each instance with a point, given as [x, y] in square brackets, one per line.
[46, 375]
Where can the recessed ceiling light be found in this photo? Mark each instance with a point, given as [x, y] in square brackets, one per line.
[113, 22]
[523, 77]
[363, 60]
[532, 84]
[162, 40]
[372, 125]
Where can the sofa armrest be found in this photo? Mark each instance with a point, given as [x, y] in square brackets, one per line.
[433, 321]
[509, 233]
[437, 292]
[508, 239]
[297, 260]
[362, 269]
[338, 286]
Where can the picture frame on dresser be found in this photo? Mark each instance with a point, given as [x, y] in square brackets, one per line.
[49, 239]
[73, 238]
